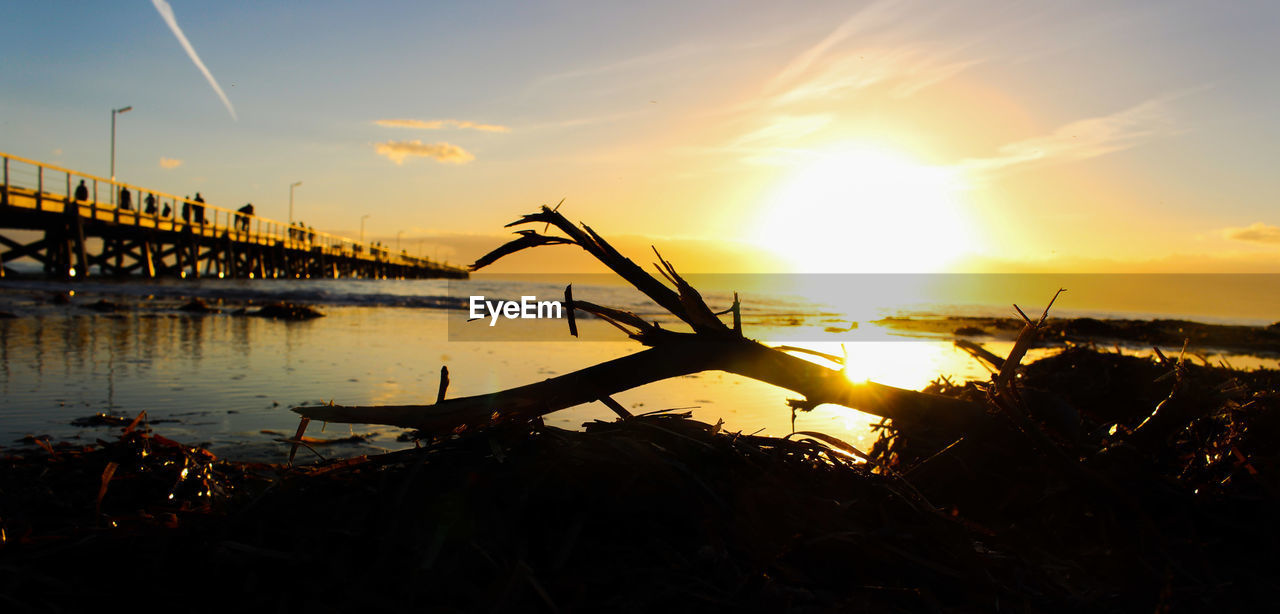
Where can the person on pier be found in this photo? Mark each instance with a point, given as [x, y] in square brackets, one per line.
[126, 199]
[198, 209]
[242, 218]
[150, 202]
[82, 192]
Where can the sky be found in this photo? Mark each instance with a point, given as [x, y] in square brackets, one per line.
[746, 136]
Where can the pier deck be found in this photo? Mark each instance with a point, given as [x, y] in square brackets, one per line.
[95, 236]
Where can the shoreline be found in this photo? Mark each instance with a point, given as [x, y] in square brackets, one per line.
[1261, 341]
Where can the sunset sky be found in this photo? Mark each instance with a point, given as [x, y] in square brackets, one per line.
[843, 136]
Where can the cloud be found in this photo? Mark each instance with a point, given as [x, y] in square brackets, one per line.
[663, 56]
[1083, 139]
[872, 16]
[166, 13]
[397, 151]
[440, 124]
[1255, 233]
[170, 162]
[906, 70]
[831, 68]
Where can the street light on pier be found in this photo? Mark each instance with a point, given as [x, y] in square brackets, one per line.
[114, 113]
[291, 187]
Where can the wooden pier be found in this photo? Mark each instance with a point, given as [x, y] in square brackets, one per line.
[154, 234]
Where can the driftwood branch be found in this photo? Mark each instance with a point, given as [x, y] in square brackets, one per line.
[689, 355]
[711, 346]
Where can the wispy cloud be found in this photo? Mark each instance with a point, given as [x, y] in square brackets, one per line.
[440, 124]
[170, 162]
[398, 151]
[873, 15]
[831, 67]
[905, 70]
[1255, 233]
[584, 120]
[669, 54]
[166, 13]
[1083, 139]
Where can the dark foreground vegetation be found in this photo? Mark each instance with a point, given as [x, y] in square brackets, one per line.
[664, 512]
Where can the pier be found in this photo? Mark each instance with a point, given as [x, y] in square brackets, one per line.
[155, 234]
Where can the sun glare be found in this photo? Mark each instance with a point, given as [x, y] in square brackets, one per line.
[867, 211]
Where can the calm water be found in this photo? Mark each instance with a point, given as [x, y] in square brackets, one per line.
[225, 380]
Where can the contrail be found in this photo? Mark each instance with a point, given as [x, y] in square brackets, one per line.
[166, 13]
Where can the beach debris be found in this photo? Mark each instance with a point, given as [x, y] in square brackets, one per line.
[104, 306]
[444, 383]
[103, 419]
[321, 441]
[616, 407]
[100, 419]
[285, 311]
[977, 351]
[297, 438]
[197, 305]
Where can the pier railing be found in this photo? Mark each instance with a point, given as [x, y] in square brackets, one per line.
[47, 187]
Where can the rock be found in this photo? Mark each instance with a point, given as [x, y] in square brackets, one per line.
[286, 311]
[197, 305]
[104, 306]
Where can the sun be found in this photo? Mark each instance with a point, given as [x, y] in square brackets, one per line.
[867, 211]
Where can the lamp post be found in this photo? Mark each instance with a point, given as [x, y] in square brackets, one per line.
[291, 187]
[362, 218]
[114, 113]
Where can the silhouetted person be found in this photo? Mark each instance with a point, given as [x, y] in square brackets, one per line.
[151, 204]
[311, 234]
[126, 199]
[198, 209]
[186, 211]
[166, 212]
[242, 218]
[82, 192]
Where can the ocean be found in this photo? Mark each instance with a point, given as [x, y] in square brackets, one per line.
[228, 382]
